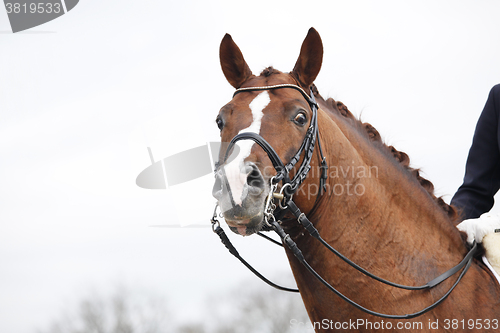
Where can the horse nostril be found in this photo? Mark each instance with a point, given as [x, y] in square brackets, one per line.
[254, 178]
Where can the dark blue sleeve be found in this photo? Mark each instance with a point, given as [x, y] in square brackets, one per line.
[482, 171]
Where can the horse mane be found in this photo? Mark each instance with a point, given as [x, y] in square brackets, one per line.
[401, 157]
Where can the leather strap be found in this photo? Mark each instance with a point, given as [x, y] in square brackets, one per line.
[298, 254]
[307, 146]
[302, 219]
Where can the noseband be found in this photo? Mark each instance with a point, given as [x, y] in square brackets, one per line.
[272, 213]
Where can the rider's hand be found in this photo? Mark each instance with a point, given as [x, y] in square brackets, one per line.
[476, 229]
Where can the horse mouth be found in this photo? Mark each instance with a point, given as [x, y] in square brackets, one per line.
[241, 195]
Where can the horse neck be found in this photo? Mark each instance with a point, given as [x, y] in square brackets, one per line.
[374, 211]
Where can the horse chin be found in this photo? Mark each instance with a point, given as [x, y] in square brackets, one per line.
[246, 227]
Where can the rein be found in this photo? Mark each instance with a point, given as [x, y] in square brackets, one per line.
[289, 186]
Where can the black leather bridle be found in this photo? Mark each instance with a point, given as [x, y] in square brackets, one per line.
[307, 146]
[290, 186]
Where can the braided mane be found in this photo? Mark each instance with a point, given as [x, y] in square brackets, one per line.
[401, 157]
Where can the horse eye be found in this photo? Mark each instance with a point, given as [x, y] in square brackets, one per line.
[300, 119]
[220, 123]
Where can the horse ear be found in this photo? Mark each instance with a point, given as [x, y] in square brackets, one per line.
[309, 62]
[233, 64]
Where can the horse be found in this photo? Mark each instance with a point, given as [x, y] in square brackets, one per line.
[361, 196]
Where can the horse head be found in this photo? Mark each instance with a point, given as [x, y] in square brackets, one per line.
[282, 117]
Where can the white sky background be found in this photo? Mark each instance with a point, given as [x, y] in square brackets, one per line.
[83, 96]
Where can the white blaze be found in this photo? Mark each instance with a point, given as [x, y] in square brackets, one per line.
[235, 172]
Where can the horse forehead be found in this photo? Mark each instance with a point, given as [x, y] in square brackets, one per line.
[277, 100]
[258, 104]
[247, 104]
[248, 109]
[268, 108]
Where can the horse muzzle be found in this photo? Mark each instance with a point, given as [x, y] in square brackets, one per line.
[241, 193]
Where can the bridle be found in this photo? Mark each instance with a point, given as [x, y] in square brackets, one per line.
[289, 186]
[273, 213]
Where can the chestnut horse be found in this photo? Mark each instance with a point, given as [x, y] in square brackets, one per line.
[373, 207]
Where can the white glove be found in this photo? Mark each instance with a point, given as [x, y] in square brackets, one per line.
[476, 229]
